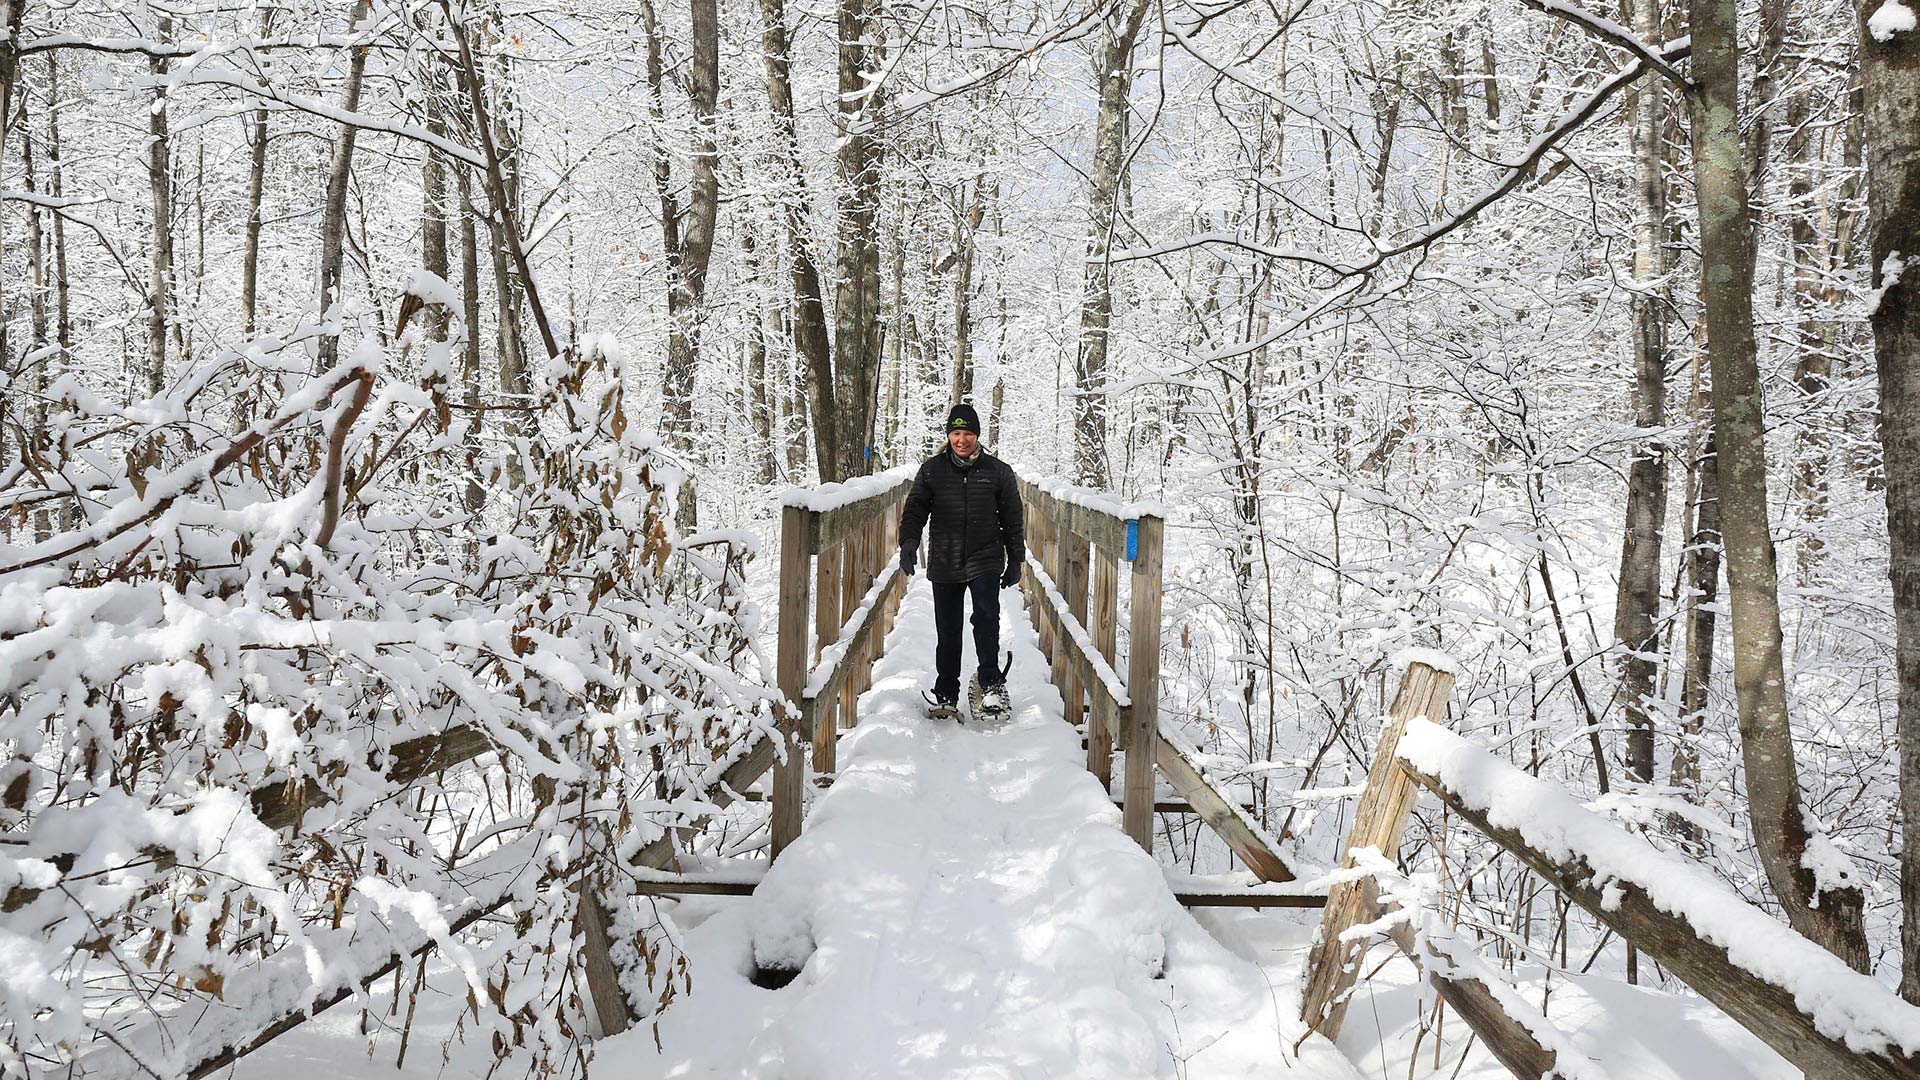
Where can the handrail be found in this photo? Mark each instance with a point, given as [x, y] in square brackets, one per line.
[851, 527]
[1797, 997]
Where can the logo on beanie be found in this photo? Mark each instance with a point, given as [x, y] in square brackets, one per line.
[958, 423]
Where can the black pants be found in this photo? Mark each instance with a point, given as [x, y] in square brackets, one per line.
[949, 599]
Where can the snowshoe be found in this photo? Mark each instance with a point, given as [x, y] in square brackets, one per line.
[994, 704]
[939, 708]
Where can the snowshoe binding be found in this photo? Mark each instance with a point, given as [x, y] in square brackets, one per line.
[990, 702]
[939, 708]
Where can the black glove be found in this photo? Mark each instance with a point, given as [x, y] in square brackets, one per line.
[1012, 577]
[908, 556]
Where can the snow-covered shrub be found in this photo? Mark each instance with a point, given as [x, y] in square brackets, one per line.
[297, 682]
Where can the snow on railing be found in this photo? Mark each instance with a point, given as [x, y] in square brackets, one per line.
[1103, 502]
[834, 495]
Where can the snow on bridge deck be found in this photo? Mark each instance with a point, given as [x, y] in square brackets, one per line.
[963, 903]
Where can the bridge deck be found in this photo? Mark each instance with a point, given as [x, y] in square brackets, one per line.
[963, 903]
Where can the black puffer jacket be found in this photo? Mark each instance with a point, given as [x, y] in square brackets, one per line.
[977, 523]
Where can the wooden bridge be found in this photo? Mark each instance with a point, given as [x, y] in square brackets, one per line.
[840, 592]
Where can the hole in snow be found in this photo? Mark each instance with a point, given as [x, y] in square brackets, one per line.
[773, 978]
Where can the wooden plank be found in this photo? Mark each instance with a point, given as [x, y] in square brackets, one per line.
[591, 920]
[1185, 775]
[790, 665]
[279, 805]
[1103, 720]
[692, 885]
[1143, 683]
[1511, 1042]
[853, 585]
[1767, 1010]
[1176, 806]
[1074, 560]
[1250, 899]
[1378, 820]
[828, 570]
[829, 527]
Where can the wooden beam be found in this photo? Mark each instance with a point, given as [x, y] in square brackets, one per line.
[1185, 775]
[790, 778]
[1103, 720]
[1250, 899]
[1768, 1010]
[693, 885]
[828, 569]
[279, 805]
[1073, 587]
[1506, 1038]
[1143, 683]
[1378, 821]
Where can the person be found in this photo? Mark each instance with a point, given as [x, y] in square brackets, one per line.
[975, 547]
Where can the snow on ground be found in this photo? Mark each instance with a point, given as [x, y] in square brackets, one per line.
[964, 904]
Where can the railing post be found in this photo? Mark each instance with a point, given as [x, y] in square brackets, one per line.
[1106, 631]
[853, 585]
[1378, 821]
[829, 569]
[1073, 587]
[790, 774]
[1143, 679]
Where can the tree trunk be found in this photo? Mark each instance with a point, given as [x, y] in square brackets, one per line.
[966, 228]
[476, 495]
[1703, 587]
[1113, 67]
[160, 197]
[856, 307]
[1831, 916]
[1637, 602]
[333, 219]
[689, 260]
[809, 321]
[1890, 78]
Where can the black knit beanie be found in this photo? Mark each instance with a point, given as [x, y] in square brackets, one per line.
[962, 418]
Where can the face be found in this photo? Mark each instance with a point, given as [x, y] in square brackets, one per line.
[963, 442]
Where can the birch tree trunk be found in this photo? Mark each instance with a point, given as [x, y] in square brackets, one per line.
[1113, 69]
[1831, 916]
[256, 188]
[57, 183]
[160, 201]
[1637, 602]
[333, 220]
[1890, 78]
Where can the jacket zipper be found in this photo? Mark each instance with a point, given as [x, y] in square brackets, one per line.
[966, 518]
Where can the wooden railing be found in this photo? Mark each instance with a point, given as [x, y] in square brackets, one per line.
[1075, 544]
[1076, 540]
[838, 568]
[1870, 1035]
